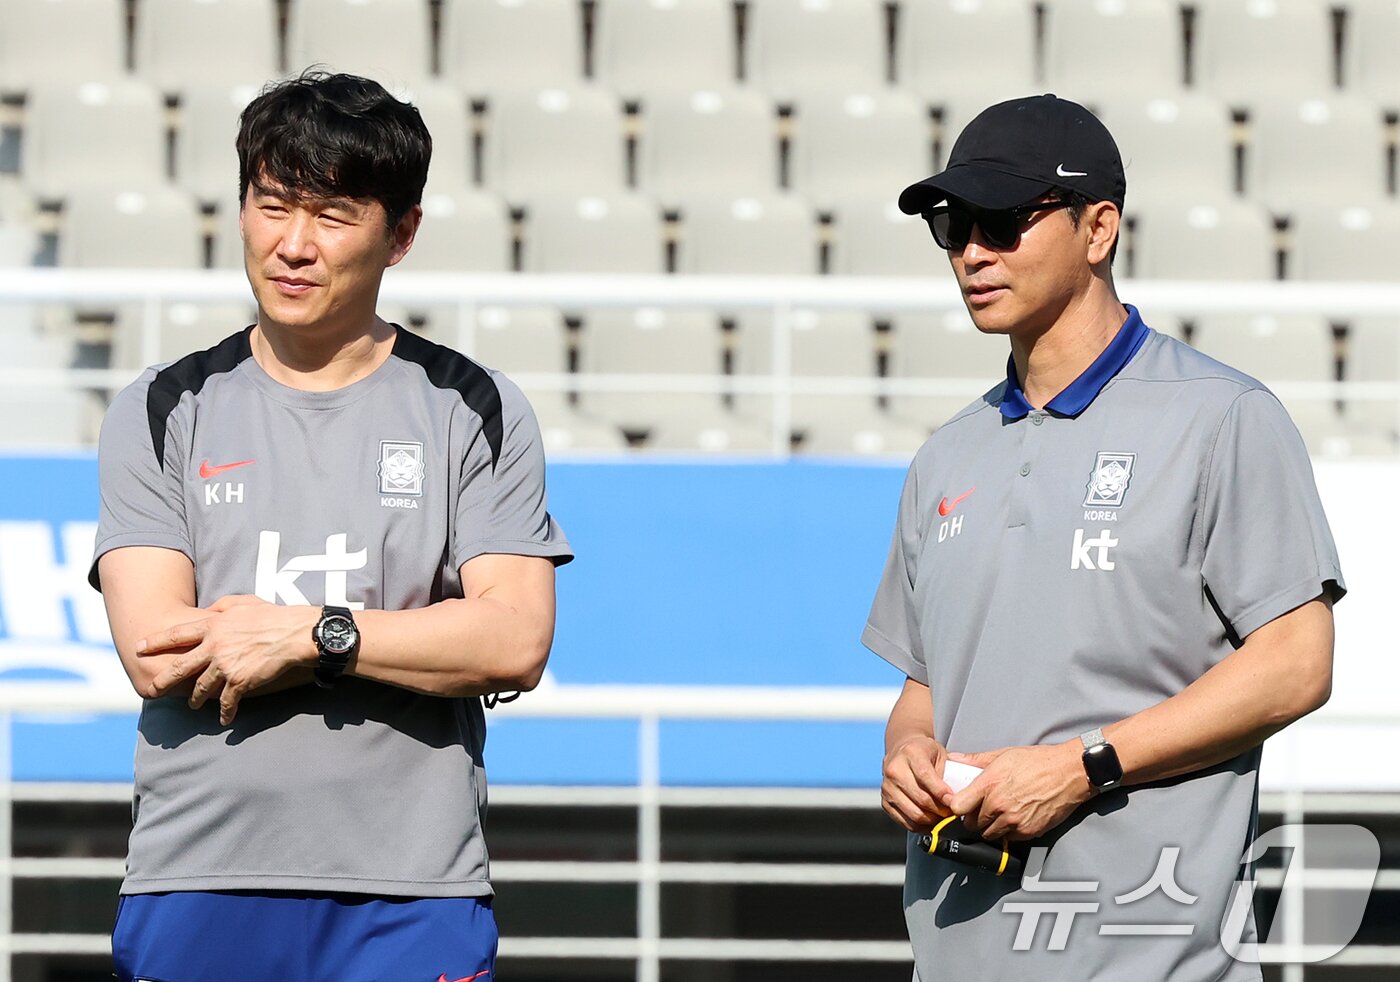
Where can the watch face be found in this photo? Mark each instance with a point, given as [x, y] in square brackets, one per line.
[1102, 766]
[338, 634]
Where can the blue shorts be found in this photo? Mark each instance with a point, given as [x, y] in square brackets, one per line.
[291, 937]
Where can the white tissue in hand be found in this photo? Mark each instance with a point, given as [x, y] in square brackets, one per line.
[958, 775]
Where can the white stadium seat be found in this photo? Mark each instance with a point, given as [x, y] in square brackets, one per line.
[1278, 350]
[386, 40]
[1174, 148]
[772, 234]
[1373, 38]
[445, 112]
[468, 231]
[1373, 355]
[650, 341]
[860, 143]
[716, 142]
[206, 159]
[554, 141]
[1114, 46]
[1248, 50]
[644, 47]
[945, 43]
[874, 238]
[942, 346]
[1345, 242]
[90, 133]
[131, 227]
[490, 45]
[65, 42]
[1219, 240]
[618, 233]
[182, 44]
[1311, 149]
[798, 48]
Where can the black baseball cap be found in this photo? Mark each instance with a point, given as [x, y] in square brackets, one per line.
[1015, 151]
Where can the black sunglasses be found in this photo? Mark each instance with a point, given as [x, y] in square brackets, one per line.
[952, 226]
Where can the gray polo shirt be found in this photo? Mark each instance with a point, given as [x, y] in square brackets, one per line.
[371, 496]
[1057, 570]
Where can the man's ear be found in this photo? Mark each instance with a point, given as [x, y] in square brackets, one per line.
[404, 233]
[1102, 219]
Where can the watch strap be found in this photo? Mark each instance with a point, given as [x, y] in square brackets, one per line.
[1092, 738]
[329, 665]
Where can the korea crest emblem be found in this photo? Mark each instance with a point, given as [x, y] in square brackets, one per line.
[400, 468]
[1109, 482]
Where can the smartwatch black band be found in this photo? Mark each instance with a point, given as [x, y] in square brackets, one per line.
[337, 642]
[1101, 763]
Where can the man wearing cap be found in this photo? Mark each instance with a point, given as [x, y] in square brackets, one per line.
[1111, 579]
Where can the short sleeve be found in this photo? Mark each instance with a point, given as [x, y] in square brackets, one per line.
[142, 494]
[501, 505]
[1267, 546]
[892, 630]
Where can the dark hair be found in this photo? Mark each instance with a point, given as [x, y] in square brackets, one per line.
[1077, 203]
[328, 136]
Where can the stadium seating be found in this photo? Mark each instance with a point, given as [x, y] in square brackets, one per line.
[61, 42]
[387, 40]
[619, 233]
[1345, 242]
[1373, 37]
[649, 341]
[526, 341]
[853, 144]
[555, 141]
[1217, 240]
[1175, 148]
[174, 40]
[945, 43]
[1248, 50]
[444, 111]
[482, 50]
[643, 47]
[1373, 355]
[131, 227]
[803, 47]
[1139, 44]
[206, 162]
[945, 347]
[1309, 149]
[468, 231]
[1280, 351]
[708, 142]
[93, 132]
[773, 234]
[874, 238]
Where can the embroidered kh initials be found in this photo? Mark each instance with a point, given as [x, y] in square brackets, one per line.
[1079, 555]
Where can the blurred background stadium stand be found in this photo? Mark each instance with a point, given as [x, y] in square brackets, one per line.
[673, 222]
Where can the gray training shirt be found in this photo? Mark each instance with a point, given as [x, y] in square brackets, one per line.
[1058, 570]
[371, 496]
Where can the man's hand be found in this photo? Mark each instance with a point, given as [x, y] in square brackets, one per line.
[1022, 792]
[913, 792]
[244, 644]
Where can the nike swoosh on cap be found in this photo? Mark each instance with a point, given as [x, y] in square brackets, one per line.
[1061, 172]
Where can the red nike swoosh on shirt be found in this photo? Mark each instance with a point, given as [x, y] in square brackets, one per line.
[207, 471]
[945, 507]
[479, 975]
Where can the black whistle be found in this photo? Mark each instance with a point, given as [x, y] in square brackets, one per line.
[951, 839]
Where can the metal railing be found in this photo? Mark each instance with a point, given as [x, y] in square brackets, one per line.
[781, 296]
[649, 706]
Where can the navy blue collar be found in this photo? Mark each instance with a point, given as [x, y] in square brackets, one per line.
[1085, 389]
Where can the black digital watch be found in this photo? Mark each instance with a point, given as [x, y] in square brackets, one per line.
[337, 641]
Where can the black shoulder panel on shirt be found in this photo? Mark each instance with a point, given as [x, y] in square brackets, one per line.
[189, 375]
[448, 369]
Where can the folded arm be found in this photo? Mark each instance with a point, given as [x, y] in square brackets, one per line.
[494, 639]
